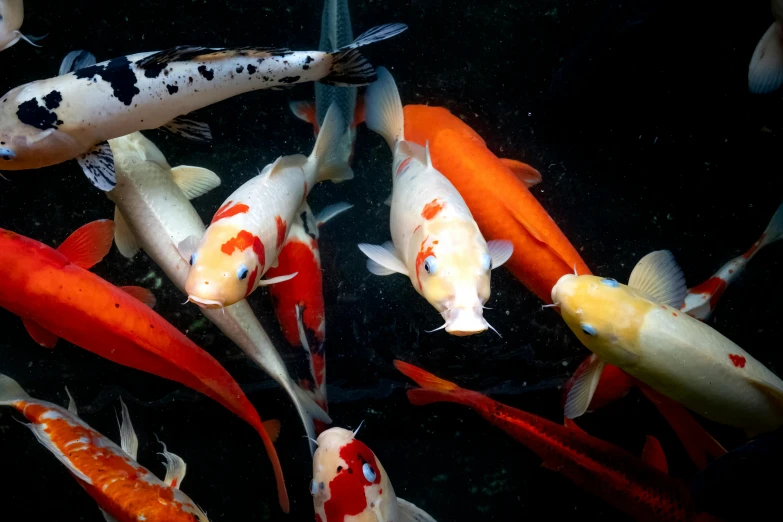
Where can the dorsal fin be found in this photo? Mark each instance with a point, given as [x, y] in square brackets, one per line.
[658, 275]
[89, 243]
[142, 294]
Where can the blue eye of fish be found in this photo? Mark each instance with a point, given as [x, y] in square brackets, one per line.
[610, 282]
[486, 261]
[192, 258]
[430, 264]
[588, 329]
[242, 272]
[7, 154]
[369, 473]
[313, 487]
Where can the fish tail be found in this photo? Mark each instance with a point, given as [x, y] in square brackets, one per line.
[774, 230]
[349, 67]
[329, 154]
[765, 73]
[433, 388]
[282, 492]
[383, 108]
[10, 391]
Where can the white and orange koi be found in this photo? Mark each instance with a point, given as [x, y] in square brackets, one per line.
[350, 485]
[435, 241]
[250, 228]
[701, 300]
[640, 329]
[124, 490]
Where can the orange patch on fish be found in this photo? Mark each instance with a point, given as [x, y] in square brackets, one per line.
[228, 210]
[242, 241]
[420, 257]
[738, 360]
[431, 209]
[281, 230]
[403, 165]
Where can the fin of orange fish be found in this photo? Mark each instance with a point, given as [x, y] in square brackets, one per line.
[89, 243]
[40, 334]
[653, 454]
[272, 427]
[305, 111]
[140, 293]
[526, 174]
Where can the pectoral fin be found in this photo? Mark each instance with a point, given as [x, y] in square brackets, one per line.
[194, 181]
[331, 211]
[581, 393]
[189, 129]
[383, 260]
[526, 174]
[40, 334]
[129, 442]
[123, 237]
[71, 403]
[278, 279]
[658, 275]
[187, 247]
[175, 468]
[89, 243]
[500, 251]
[98, 165]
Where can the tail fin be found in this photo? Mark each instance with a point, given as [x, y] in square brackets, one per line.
[349, 67]
[328, 153]
[308, 410]
[765, 73]
[10, 391]
[774, 230]
[383, 108]
[433, 388]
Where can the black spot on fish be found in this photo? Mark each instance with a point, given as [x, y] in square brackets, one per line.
[172, 89]
[303, 217]
[308, 59]
[53, 99]
[289, 79]
[206, 73]
[31, 113]
[118, 74]
[260, 61]
[240, 68]
[251, 69]
[190, 79]
[266, 78]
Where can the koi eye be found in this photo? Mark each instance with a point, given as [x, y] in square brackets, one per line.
[192, 258]
[7, 154]
[369, 473]
[609, 282]
[588, 329]
[486, 261]
[242, 272]
[430, 264]
[313, 487]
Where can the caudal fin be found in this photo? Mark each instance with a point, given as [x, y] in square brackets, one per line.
[765, 73]
[10, 391]
[383, 108]
[329, 154]
[349, 67]
[774, 230]
[433, 388]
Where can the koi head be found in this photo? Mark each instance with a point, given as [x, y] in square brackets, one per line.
[225, 267]
[349, 482]
[11, 18]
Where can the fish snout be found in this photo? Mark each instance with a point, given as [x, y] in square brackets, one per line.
[465, 321]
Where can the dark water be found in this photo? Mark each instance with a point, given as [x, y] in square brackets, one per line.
[638, 118]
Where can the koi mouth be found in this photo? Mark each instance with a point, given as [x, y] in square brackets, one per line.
[462, 322]
[205, 303]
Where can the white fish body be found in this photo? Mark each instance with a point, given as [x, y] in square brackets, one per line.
[154, 213]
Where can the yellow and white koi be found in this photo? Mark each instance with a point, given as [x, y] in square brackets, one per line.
[249, 229]
[435, 241]
[641, 329]
[350, 485]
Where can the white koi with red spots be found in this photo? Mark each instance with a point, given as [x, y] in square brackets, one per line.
[250, 228]
[640, 329]
[350, 485]
[124, 490]
[435, 241]
[154, 213]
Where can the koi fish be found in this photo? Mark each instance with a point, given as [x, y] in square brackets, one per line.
[124, 489]
[640, 329]
[11, 18]
[56, 296]
[350, 485]
[639, 488]
[335, 32]
[71, 116]
[497, 193]
[299, 302]
[153, 213]
[765, 72]
[249, 229]
[435, 241]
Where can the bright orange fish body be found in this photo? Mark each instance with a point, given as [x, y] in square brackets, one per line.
[56, 296]
[496, 192]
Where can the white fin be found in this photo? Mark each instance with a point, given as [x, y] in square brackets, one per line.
[278, 279]
[129, 442]
[187, 247]
[383, 108]
[765, 73]
[328, 154]
[383, 260]
[10, 391]
[331, 211]
[303, 110]
[774, 230]
[98, 165]
[175, 468]
[529, 176]
[189, 129]
[31, 40]
[267, 171]
[107, 517]
[416, 151]
[71, 403]
[500, 251]
[76, 60]
[658, 275]
[388, 200]
[410, 513]
[581, 393]
[123, 237]
[194, 181]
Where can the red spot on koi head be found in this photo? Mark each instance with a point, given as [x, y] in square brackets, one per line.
[738, 360]
[347, 488]
[228, 210]
[282, 227]
[242, 241]
[674, 314]
[431, 209]
[420, 257]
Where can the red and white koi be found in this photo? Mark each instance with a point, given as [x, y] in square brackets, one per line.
[154, 213]
[250, 228]
[350, 485]
[701, 300]
[299, 302]
[435, 241]
[124, 489]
